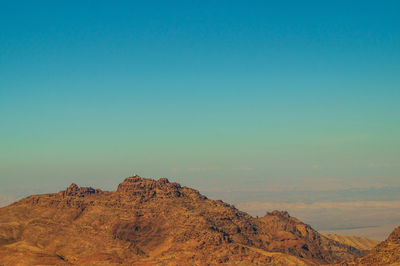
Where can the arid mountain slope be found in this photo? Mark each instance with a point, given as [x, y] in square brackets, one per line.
[146, 222]
[289, 235]
[362, 243]
[385, 253]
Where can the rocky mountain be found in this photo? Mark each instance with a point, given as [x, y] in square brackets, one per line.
[385, 253]
[146, 222]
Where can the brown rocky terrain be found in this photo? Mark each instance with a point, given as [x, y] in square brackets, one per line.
[147, 222]
[385, 253]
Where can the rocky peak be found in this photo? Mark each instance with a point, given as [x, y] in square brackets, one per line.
[280, 214]
[73, 187]
[75, 190]
[395, 235]
[137, 186]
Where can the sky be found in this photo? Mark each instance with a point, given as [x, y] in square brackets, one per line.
[260, 102]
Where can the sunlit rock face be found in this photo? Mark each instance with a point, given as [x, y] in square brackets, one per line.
[148, 221]
[75, 190]
[136, 186]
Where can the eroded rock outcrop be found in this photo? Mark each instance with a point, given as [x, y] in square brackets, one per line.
[75, 190]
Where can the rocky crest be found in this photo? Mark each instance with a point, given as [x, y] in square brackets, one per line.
[74, 190]
[148, 221]
[138, 188]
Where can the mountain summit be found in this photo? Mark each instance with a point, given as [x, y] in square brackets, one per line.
[148, 221]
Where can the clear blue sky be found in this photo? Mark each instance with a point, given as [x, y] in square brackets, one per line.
[208, 93]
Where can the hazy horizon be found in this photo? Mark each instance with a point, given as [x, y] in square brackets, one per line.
[290, 105]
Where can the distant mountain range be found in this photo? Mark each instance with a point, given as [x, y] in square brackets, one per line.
[147, 222]
[385, 253]
[361, 243]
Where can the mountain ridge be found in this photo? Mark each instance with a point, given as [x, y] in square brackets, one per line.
[156, 221]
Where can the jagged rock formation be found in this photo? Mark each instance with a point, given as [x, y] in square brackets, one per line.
[74, 190]
[385, 253]
[149, 222]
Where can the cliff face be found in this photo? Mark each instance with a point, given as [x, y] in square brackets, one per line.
[147, 221]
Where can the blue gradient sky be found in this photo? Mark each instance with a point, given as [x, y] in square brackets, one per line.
[213, 94]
